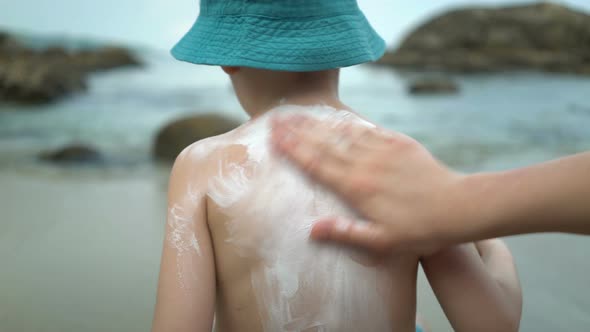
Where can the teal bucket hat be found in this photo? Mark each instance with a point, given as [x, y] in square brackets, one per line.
[287, 35]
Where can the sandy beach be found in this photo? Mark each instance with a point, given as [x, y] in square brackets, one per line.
[79, 255]
[80, 251]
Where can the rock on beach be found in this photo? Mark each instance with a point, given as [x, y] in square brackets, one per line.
[72, 154]
[174, 137]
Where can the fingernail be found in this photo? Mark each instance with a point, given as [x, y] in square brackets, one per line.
[292, 126]
[320, 231]
[279, 121]
[276, 133]
[341, 225]
[287, 139]
[360, 226]
[296, 121]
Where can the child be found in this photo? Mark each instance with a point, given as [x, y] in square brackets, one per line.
[237, 243]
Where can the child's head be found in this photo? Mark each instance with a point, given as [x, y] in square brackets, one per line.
[276, 43]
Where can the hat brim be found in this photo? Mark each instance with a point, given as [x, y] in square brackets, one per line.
[300, 44]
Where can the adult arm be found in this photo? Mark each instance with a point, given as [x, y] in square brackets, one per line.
[414, 202]
[186, 288]
[477, 286]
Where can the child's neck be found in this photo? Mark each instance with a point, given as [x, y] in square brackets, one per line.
[310, 99]
[300, 91]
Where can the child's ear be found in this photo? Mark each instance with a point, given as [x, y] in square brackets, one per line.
[230, 70]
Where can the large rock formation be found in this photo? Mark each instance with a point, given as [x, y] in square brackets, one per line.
[542, 36]
[35, 80]
[28, 75]
[173, 138]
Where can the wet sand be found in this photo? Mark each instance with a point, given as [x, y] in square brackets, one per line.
[80, 252]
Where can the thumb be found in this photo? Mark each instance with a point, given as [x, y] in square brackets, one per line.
[361, 234]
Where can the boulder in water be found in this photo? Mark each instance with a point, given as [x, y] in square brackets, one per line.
[174, 137]
[72, 154]
[433, 86]
[542, 36]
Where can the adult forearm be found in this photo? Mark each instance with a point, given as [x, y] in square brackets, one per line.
[548, 197]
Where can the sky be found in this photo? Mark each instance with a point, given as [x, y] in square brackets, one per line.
[160, 23]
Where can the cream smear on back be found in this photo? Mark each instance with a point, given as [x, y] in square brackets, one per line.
[271, 206]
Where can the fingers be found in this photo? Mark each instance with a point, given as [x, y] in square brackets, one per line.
[334, 155]
[365, 139]
[364, 235]
[311, 148]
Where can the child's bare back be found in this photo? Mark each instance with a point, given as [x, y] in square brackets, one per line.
[237, 248]
[270, 277]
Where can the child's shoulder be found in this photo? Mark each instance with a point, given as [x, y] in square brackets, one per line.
[202, 160]
[205, 150]
[250, 140]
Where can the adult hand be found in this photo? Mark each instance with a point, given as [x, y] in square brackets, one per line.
[414, 203]
[388, 178]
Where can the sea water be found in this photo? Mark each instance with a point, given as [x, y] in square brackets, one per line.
[497, 120]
